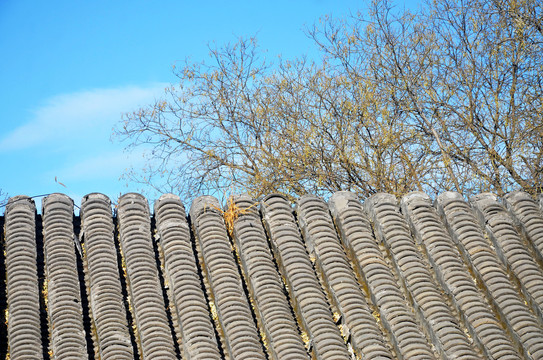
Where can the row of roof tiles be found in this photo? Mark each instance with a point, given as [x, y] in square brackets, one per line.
[383, 279]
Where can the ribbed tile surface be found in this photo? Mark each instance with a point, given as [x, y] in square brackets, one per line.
[265, 286]
[345, 293]
[309, 302]
[66, 330]
[512, 250]
[241, 340]
[397, 317]
[490, 272]
[152, 330]
[427, 297]
[445, 279]
[24, 336]
[112, 339]
[193, 323]
[529, 218]
[455, 278]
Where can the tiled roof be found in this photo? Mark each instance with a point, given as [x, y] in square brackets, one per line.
[387, 278]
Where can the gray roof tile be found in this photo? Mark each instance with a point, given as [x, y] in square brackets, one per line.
[415, 279]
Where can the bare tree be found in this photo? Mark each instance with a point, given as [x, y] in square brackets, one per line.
[468, 74]
[446, 98]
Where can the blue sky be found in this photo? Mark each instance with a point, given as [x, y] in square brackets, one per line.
[69, 69]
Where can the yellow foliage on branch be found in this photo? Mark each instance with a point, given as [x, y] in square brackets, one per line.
[231, 213]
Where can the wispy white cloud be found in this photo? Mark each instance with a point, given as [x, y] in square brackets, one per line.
[96, 173]
[69, 139]
[109, 165]
[69, 118]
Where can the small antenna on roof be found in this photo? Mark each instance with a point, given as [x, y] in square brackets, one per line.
[58, 182]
